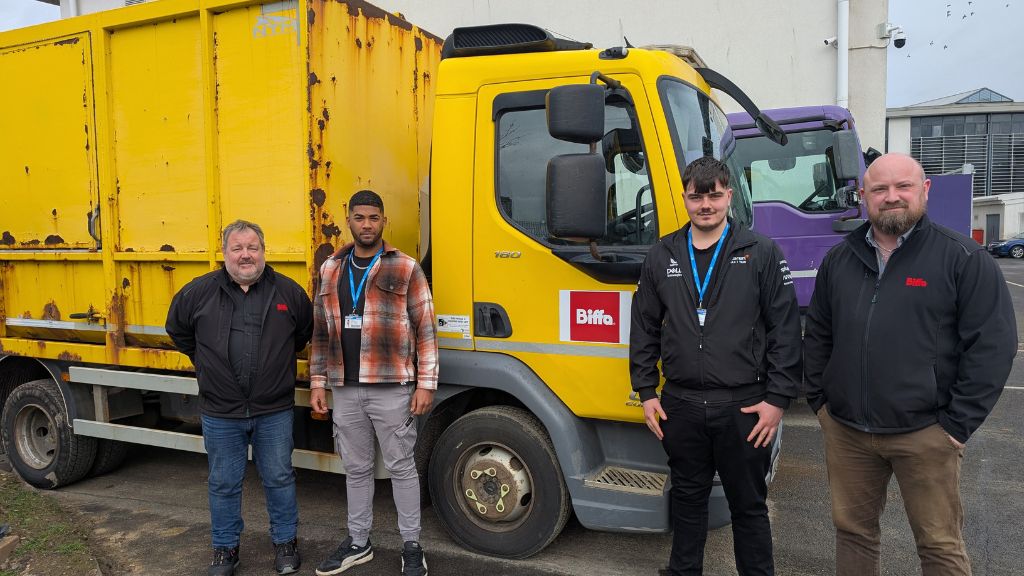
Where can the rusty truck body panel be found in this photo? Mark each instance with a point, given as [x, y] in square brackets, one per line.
[142, 131]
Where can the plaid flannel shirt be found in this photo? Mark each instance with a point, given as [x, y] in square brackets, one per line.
[398, 324]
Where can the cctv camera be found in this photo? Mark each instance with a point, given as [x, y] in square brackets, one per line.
[899, 39]
[831, 41]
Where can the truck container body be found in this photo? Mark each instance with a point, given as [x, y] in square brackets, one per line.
[801, 203]
[140, 132]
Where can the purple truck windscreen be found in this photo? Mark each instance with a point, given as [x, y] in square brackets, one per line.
[806, 232]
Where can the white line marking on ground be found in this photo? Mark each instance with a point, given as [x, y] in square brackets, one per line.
[1014, 387]
[1015, 284]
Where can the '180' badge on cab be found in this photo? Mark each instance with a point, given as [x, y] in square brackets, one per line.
[594, 316]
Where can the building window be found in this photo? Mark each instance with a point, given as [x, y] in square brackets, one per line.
[992, 143]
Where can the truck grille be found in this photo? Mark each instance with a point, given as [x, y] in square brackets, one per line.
[626, 480]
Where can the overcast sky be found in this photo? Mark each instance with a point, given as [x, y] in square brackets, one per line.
[952, 45]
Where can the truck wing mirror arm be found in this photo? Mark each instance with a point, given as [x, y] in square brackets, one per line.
[766, 125]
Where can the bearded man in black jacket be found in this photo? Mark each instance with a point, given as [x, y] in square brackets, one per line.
[716, 305]
[910, 338]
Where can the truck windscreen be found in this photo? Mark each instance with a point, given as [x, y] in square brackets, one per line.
[700, 128]
[799, 174]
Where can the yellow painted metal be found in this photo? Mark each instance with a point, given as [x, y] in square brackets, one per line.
[452, 224]
[51, 290]
[528, 287]
[260, 103]
[47, 172]
[174, 118]
[158, 121]
[370, 118]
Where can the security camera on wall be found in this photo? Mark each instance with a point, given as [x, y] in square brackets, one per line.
[899, 39]
[833, 42]
[892, 32]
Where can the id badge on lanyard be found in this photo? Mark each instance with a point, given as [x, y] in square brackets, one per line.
[702, 285]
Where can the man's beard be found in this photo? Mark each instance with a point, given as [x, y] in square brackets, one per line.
[898, 223]
[240, 277]
[364, 244]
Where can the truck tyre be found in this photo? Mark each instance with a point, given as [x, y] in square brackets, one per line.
[38, 438]
[496, 484]
[110, 454]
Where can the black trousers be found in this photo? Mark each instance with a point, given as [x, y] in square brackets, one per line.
[699, 439]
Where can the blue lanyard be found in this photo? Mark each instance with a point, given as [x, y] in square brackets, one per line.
[356, 292]
[702, 287]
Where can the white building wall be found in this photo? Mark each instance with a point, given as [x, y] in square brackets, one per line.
[774, 51]
[1009, 207]
[899, 135]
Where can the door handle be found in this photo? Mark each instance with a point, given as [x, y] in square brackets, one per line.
[491, 320]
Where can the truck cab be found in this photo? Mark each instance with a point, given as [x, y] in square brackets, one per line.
[804, 193]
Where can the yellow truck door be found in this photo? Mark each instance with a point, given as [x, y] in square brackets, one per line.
[534, 296]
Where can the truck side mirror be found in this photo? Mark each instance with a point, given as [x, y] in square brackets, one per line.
[846, 155]
[575, 113]
[576, 196]
[870, 155]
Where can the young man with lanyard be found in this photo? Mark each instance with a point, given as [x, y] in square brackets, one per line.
[375, 344]
[716, 305]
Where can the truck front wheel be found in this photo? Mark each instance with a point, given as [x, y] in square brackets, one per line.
[38, 439]
[496, 484]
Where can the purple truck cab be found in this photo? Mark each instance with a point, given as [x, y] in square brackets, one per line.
[798, 200]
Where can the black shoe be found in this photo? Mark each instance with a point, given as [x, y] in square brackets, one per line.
[346, 556]
[286, 557]
[413, 562]
[225, 560]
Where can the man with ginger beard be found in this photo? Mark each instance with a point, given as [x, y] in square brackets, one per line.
[716, 305]
[241, 326]
[910, 337]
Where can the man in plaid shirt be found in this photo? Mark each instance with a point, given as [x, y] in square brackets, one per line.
[375, 344]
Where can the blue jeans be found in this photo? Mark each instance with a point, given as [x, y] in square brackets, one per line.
[227, 443]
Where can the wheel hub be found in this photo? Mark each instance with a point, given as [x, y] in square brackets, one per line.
[495, 484]
[35, 436]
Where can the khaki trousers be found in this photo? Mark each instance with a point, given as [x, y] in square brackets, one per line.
[927, 468]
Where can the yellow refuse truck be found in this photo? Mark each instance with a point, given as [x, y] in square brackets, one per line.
[529, 174]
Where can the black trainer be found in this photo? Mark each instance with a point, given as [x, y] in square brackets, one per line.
[286, 557]
[346, 556]
[413, 562]
[225, 560]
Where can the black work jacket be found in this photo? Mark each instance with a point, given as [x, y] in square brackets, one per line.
[199, 323]
[751, 335]
[930, 341]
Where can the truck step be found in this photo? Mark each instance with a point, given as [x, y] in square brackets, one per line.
[628, 480]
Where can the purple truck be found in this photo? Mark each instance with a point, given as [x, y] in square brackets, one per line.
[805, 193]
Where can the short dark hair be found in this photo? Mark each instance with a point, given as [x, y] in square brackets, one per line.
[704, 172]
[366, 198]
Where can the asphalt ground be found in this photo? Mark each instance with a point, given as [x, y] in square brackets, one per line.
[151, 515]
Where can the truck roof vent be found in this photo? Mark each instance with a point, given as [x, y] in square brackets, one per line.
[504, 39]
[134, 2]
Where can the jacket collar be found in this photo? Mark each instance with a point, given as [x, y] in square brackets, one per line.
[859, 245]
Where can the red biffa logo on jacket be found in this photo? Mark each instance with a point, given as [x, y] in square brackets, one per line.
[594, 316]
[916, 282]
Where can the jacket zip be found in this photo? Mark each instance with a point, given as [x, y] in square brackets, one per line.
[864, 354]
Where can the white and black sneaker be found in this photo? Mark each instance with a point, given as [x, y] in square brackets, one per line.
[413, 562]
[346, 556]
